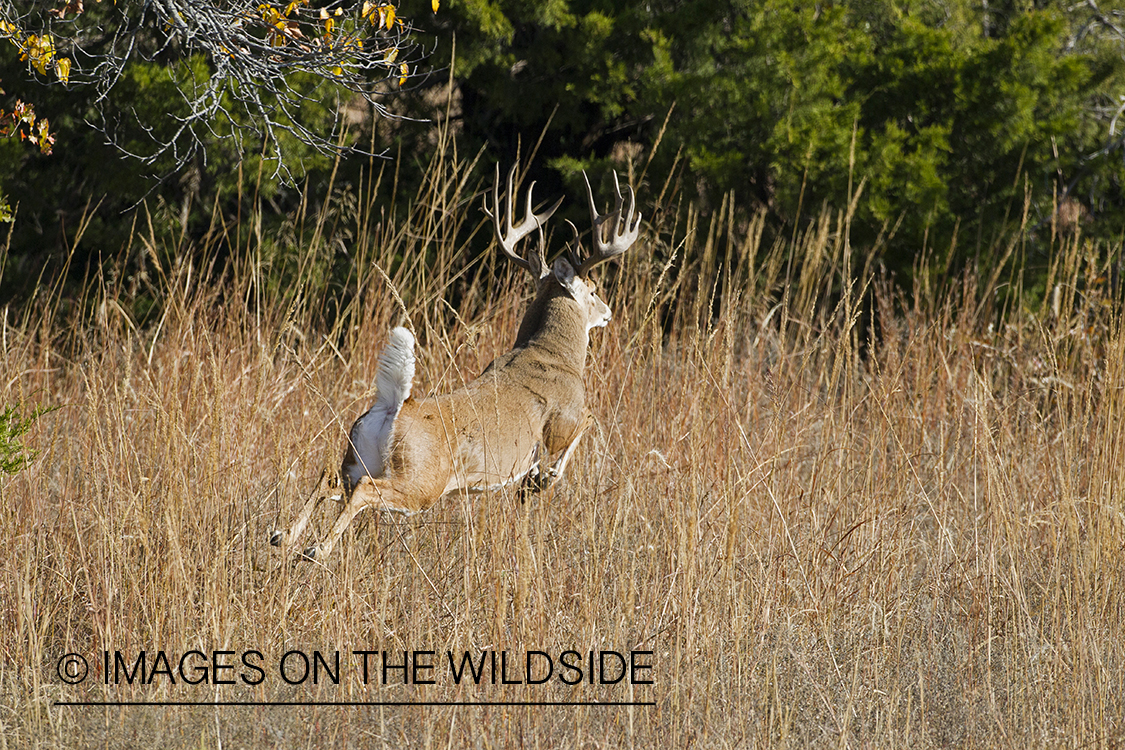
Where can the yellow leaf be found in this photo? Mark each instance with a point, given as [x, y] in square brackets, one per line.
[392, 53]
[390, 21]
[405, 71]
[368, 10]
[62, 69]
[434, 4]
[39, 50]
[338, 71]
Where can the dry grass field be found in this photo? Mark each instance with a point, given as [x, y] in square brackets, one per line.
[817, 513]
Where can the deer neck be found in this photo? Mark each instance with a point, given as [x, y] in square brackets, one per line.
[555, 326]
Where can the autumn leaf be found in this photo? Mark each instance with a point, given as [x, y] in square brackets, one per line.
[39, 50]
[434, 4]
[43, 138]
[75, 7]
[62, 69]
[405, 71]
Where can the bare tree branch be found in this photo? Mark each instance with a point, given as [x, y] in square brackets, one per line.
[243, 68]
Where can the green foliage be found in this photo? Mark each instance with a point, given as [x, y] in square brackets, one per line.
[90, 186]
[14, 455]
[952, 123]
[951, 114]
[943, 123]
[761, 102]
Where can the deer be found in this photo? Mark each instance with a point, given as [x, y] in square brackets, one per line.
[519, 421]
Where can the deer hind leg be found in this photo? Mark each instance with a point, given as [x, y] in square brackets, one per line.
[379, 494]
[330, 487]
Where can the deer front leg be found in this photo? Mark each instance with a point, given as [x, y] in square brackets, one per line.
[539, 479]
[327, 487]
[556, 470]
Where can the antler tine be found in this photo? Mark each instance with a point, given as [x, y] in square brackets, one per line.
[620, 235]
[574, 248]
[508, 235]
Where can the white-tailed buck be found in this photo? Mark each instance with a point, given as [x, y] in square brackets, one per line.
[520, 421]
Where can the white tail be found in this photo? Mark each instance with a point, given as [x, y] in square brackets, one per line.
[520, 421]
[370, 437]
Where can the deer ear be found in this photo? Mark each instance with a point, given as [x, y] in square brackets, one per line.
[565, 275]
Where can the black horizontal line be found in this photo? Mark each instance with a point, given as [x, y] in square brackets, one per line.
[356, 703]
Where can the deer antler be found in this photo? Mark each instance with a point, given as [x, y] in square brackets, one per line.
[531, 221]
[618, 235]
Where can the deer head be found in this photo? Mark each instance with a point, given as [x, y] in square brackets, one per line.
[613, 234]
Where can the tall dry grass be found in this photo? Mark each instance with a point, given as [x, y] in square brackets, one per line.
[837, 515]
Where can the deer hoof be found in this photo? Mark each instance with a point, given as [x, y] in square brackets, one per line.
[310, 553]
[541, 480]
[276, 538]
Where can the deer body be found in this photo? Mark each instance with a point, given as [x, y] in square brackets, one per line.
[489, 432]
[520, 420]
